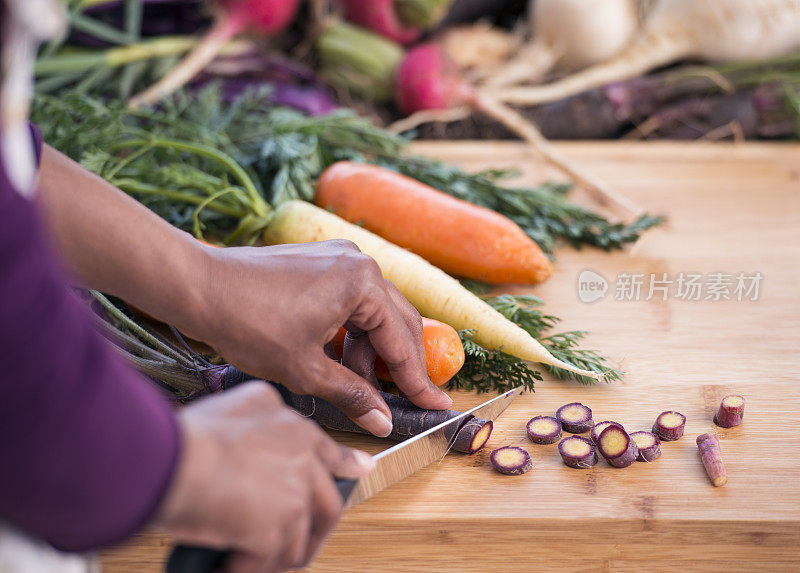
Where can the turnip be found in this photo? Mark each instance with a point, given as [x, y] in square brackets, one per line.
[234, 17]
[710, 30]
[429, 82]
[569, 34]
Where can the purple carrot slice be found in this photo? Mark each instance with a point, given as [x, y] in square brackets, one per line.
[710, 453]
[473, 436]
[575, 418]
[511, 460]
[544, 430]
[617, 447]
[599, 427]
[648, 444]
[669, 425]
[577, 452]
[731, 411]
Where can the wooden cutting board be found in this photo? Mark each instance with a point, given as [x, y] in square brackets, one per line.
[732, 209]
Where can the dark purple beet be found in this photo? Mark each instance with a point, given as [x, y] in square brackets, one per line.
[548, 433]
[577, 452]
[648, 444]
[617, 447]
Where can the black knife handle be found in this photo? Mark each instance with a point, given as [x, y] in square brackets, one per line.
[192, 559]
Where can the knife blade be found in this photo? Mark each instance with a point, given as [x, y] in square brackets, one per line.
[391, 466]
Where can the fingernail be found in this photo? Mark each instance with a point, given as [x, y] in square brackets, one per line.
[376, 422]
[364, 460]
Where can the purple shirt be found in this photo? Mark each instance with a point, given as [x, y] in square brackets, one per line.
[87, 446]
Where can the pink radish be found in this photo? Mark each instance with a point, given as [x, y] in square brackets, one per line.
[381, 17]
[234, 17]
[429, 82]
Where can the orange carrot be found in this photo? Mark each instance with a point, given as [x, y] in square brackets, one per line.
[462, 239]
[444, 352]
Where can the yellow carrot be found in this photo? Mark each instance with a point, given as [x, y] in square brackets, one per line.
[433, 292]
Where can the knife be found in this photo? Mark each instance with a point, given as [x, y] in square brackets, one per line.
[391, 466]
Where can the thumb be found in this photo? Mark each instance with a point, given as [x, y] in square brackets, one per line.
[354, 396]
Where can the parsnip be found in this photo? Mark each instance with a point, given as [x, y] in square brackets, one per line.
[433, 292]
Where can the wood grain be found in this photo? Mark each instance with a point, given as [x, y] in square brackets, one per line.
[731, 209]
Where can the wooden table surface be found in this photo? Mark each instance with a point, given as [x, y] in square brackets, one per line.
[732, 209]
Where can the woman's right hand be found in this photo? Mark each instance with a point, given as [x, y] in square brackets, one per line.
[256, 477]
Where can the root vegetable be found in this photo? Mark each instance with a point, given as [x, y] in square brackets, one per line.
[617, 447]
[648, 444]
[731, 411]
[710, 453]
[599, 427]
[575, 418]
[569, 34]
[669, 425]
[577, 452]
[381, 17]
[544, 430]
[434, 293]
[444, 352]
[511, 460]
[473, 436]
[234, 17]
[716, 31]
[460, 238]
[407, 420]
[428, 81]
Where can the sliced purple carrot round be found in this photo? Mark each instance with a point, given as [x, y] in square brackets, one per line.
[511, 460]
[669, 425]
[577, 452]
[731, 411]
[617, 447]
[544, 430]
[575, 418]
[599, 427]
[648, 444]
[473, 436]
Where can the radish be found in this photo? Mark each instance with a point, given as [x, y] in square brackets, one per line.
[428, 82]
[711, 30]
[570, 34]
[234, 17]
[381, 17]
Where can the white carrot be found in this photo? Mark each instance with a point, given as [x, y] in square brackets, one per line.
[710, 30]
[569, 34]
[434, 293]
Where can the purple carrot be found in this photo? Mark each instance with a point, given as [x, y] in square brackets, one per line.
[648, 444]
[731, 411]
[617, 447]
[669, 425]
[577, 452]
[575, 418]
[599, 427]
[544, 430]
[511, 460]
[711, 455]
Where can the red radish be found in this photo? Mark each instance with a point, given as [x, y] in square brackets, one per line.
[380, 16]
[266, 17]
[428, 82]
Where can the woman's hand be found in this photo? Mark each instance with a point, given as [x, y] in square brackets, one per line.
[256, 477]
[271, 310]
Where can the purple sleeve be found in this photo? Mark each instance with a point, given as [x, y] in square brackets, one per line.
[88, 446]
